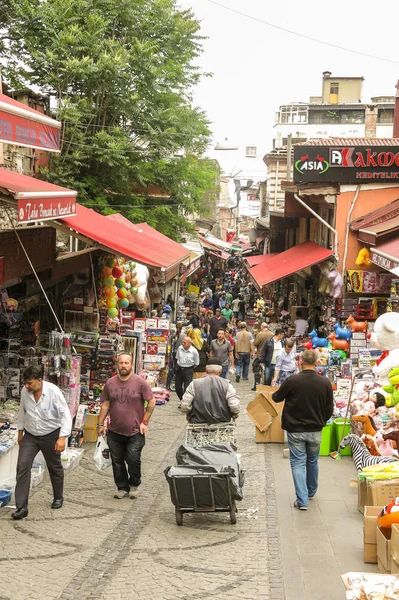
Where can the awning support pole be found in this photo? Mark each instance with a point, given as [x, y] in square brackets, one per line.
[37, 277]
[335, 249]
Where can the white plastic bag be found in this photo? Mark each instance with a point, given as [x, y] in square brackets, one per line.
[102, 457]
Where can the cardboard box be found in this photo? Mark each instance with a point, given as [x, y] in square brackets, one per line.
[370, 533]
[383, 536]
[395, 549]
[90, 435]
[266, 414]
[380, 493]
[362, 496]
[359, 335]
[91, 421]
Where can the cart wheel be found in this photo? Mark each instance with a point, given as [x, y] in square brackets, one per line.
[172, 386]
[233, 515]
[179, 517]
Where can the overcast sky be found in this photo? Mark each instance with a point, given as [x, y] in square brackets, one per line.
[256, 68]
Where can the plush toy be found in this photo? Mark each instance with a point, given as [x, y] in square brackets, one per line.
[363, 258]
[324, 287]
[389, 514]
[357, 325]
[335, 282]
[386, 338]
[392, 389]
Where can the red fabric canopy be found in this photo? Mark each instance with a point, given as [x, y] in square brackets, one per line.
[37, 200]
[24, 126]
[173, 252]
[288, 262]
[125, 240]
[252, 261]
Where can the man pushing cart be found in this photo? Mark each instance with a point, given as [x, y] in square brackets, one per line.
[208, 477]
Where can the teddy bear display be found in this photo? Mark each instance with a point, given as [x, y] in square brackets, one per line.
[386, 338]
[331, 281]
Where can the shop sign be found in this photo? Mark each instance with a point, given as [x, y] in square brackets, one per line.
[346, 164]
[15, 129]
[369, 282]
[383, 262]
[2, 270]
[46, 209]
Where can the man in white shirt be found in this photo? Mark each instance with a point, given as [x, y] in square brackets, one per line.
[44, 424]
[301, 326]
[187, 358]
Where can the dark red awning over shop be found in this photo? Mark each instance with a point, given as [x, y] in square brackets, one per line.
[37, 200]
[24, 126]
[126, 240]
[288, 262]
[252, 261]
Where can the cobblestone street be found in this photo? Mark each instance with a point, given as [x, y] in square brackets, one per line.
[98, 547]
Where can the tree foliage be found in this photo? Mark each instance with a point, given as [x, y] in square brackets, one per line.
[122, 73]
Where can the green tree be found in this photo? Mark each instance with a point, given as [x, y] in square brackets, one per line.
[122, 73]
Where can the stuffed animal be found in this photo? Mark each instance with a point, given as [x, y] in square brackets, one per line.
[363, 258]
[324, 287]
[392, 389]
[389, 514]
[386, 338]
[357, 325]
[335, 282]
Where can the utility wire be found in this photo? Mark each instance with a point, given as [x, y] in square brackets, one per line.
[302, 35]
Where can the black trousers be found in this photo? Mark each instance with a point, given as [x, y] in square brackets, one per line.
[30, 446]
[184, 377]
[126, 450]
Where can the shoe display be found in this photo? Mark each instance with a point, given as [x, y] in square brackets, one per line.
[299, 507]
[134, 492]
[121, 494]
[57, 503]
[20, 513]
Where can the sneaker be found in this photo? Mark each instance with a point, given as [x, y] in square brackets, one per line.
[134, 492]
[312, 497]
[121, 494]
[179, 405]
[299, 507]
[237, 378]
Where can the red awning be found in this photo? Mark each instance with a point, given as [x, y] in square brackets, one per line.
[122, 239]
[387, 256]
[24, 126]
[173, 252]
[222, 255]
[288, 262]
[380, 215]
[252, 261]
[37, 200]
[372, 233]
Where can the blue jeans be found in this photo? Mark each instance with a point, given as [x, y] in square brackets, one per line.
[242, 364]
[269, 374]
[304, 455]
[224, 372]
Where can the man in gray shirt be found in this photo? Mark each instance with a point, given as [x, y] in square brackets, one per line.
[211, 399]
[223, 351]
[187, 358]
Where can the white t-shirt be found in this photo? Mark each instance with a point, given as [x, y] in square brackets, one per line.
[235, 305]
[301, 327]
[277, 349]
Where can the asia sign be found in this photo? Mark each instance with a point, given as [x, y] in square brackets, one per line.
[30, 131]
[46, 209]
[346, 164]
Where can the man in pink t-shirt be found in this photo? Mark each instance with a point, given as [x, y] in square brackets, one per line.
[123, 400]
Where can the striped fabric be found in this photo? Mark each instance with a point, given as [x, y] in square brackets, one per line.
[361, 456]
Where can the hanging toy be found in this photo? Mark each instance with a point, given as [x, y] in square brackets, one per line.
[111, 302]
[112, 313]
[110, 262]
[117, 272]
[363, 258]
[122, 292]
[123, 303]
[109, 281]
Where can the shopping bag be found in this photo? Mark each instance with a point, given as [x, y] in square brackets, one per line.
[102, 457]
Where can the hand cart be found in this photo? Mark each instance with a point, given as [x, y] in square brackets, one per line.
[202, 490]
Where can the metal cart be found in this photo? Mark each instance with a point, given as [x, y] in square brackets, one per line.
[214, 488]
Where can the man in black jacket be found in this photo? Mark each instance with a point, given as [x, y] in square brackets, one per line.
[270, 352]
[308, 406]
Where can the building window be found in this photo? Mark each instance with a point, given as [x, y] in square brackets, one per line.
[385, 115]
[336, 116]
[334, 87]
[250, 152]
